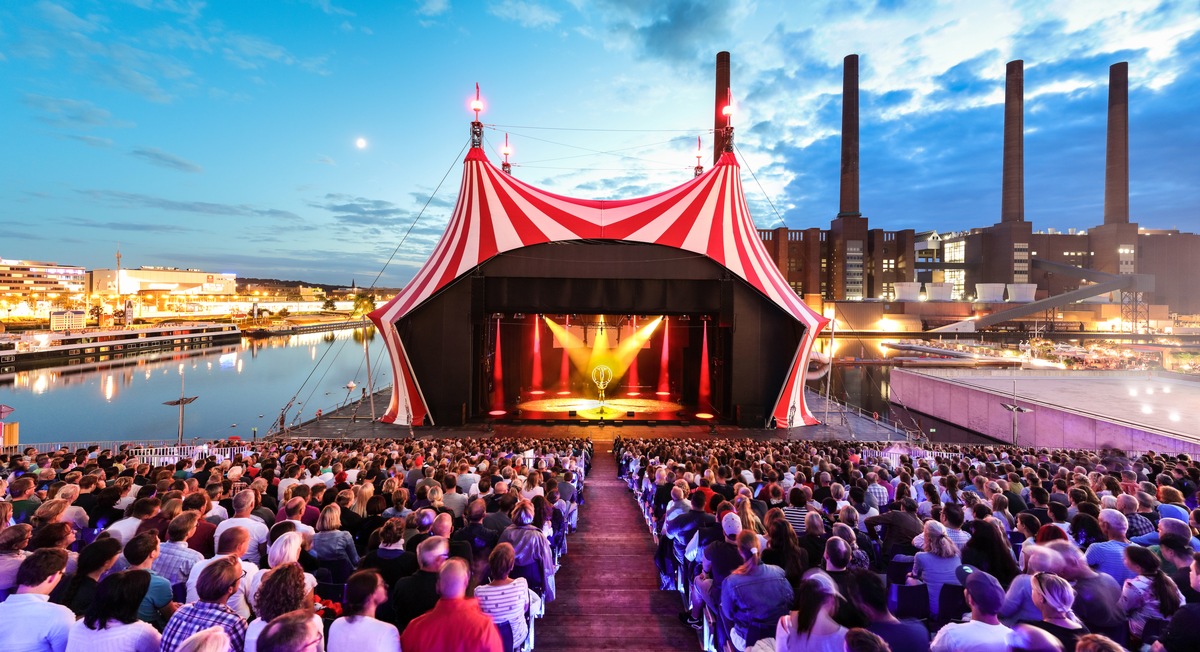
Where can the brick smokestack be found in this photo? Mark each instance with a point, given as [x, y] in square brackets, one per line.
[720, 120]
[1012, 195]
[1116, 160]
[849, 199]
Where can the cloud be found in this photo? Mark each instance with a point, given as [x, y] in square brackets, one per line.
[432, 7]
[328, 7]
[360, 211]
[524, 13]
[136, 200]
[325, 160]
[75, 114]
[675, 31]
[91, 141]
[164, 159]
[153, 227]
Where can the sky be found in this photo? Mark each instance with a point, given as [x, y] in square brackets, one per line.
[224, 136]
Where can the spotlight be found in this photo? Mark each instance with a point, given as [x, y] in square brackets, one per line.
[685, 318]
[497, 315]
[519, 315]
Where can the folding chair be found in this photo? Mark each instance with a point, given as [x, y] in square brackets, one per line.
[909, 601]
[179, 592]
[898, 570]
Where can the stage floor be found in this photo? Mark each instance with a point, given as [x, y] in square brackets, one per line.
[615, 408]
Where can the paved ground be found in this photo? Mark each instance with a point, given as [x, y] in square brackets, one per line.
[354, 420]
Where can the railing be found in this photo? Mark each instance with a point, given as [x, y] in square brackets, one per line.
[49, 447]
[164, 455]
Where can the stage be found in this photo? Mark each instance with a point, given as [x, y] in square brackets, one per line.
[553, 406]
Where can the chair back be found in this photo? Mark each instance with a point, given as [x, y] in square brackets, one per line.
[1153, 630]
[897, 571]
[506, 636]
[533, 574]
[952, 604]
[179, 592]
[335, 591]
[909, 601]
[339, 569]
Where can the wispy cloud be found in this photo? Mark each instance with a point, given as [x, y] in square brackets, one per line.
[524, 13]
[432, 7]
[137, 200]
[75, 114]
[91, 141]
[152, 227]
[160, 158]
[325, 160]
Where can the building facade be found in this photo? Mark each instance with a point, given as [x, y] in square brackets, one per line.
[28, 279]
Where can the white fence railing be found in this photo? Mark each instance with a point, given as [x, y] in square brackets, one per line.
[164, 455]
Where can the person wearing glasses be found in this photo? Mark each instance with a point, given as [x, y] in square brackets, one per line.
[217, 583]
[294, 631]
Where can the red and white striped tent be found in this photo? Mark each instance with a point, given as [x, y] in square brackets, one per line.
[497, 213]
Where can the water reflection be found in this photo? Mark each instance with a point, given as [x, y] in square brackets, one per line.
[112, 397]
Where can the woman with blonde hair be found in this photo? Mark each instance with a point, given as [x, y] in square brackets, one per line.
[813, 539]
[286, 550]
[74, 514]
[1054, 598]
[213, 639]
[331, 543]
[750, 520]
[754, 596]
[936, 564]
[6, 514]
[362, 497]
[48, 512]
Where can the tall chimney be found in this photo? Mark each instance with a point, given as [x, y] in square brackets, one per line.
[849, 199]
[720, 120]
[1116, 160]
[1012, 195]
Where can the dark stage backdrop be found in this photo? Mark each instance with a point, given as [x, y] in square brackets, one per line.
[447, 343]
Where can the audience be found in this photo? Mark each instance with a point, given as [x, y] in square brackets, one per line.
[358, 630]
[456, 621]
[111, 622]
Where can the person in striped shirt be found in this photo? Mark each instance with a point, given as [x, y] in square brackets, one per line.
[506, 599]
[797, 509]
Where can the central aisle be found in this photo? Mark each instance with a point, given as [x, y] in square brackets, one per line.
[608, 596]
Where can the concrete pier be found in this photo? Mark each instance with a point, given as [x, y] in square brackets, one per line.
[1134, 411]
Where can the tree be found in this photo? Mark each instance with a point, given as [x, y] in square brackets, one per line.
[283, 312]
[363, 303]
[329, 305]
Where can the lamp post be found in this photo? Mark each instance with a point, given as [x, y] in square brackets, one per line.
[1016, 410]
[181, 402]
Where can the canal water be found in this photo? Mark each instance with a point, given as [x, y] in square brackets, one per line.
[240, 387]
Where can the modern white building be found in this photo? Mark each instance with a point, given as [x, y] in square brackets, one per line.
[164, 280]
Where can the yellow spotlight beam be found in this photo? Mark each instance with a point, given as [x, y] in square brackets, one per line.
[576, 350]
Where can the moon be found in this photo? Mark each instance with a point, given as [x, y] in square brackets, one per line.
[361, 143]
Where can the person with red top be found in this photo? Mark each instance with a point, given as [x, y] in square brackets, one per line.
[456, 623]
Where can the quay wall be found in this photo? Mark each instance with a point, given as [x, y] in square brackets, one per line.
[948, 395]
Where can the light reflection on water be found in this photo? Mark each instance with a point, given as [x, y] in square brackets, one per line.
[236, 383]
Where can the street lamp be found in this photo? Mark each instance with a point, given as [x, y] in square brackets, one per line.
[1015, 409]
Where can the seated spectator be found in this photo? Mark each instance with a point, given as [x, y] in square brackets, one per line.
[532, 548]
[869, 594]
[56, 535]
[287, 549]
[1018, 601]
[13, 542]
[281, 591]
[1085, 530]
[479, 537]
[31, 621]
[1150, 593]
[754, 596]
[358, 630]
[1096, 594]
[783, 550]
[812, 543]
[505, 599]
[331, 543]
[78, 591]
[158, 604]
[1183, 632]
[294, 631]
[812, 627]
[244, 503]
[390, 558]
[1054, 598]
[455, 622]
[984, 632]
[902, 525]
[175, 558]
[854, 538]
[124, 529]
[936, 565]
[837, 560]
[988, 550]
[111, 621]
[1177, 554]
[417, 594]
[234, 541]
[216, 585]
[1027, 526]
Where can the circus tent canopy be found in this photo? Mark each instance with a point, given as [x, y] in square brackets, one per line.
[497, 213]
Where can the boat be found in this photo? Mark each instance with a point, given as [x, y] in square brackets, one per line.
[32, 349]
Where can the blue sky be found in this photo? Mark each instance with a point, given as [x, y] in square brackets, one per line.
[221, 136]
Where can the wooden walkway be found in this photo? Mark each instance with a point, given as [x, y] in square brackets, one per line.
[608, 596]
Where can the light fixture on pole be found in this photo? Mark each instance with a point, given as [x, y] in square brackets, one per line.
[1015, 409]
[181, 402]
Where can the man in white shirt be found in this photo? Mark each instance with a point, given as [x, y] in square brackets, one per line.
[243, 505]
[983, 633]
[31, 622]
[124, 529]
[953, 519]
[234, 542]
[293, 510]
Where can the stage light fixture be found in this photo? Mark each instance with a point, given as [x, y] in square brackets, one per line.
[685, 318]
[519, 315]
[497, 315]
